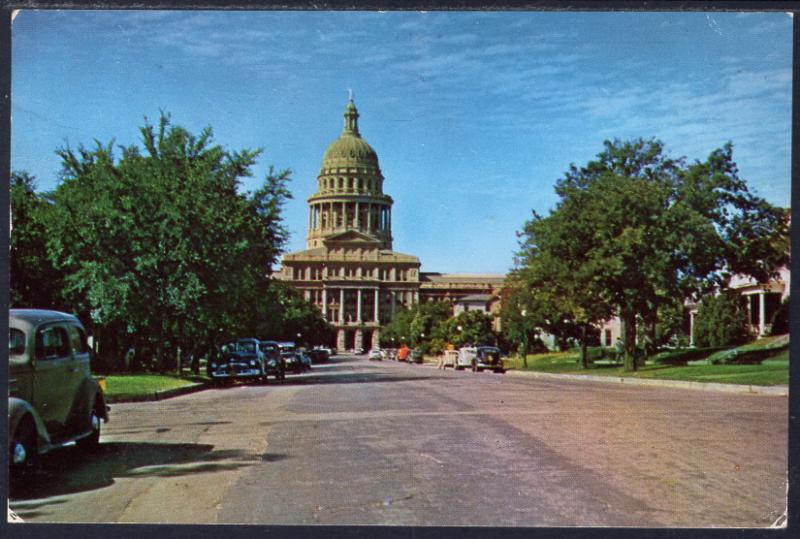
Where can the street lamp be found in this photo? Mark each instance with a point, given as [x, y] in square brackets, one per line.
[523, 312]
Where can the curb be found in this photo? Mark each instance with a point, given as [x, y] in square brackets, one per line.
[775, 391]
[160, 395]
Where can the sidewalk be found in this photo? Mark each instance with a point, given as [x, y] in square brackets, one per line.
[777, 391]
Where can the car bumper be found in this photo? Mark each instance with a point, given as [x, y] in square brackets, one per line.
[246, 373]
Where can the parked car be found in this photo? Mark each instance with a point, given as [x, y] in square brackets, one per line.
[240, 359]
[450, 358]
[273, 362]
[357, 351]
[319, 355]
[53, 399]
[375, 354]
[415, 356]
[390, 353]
[295, 361]
[480, 358]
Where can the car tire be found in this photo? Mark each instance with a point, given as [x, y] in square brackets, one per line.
[93, 440]
[23, 444]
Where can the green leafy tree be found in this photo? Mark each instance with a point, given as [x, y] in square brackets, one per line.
[398, 331]
[518, 319]
[34, 282]
[468, 328]
[426, 317]
[721, 321]
[284, 315]
[158, 246]
[636, 230]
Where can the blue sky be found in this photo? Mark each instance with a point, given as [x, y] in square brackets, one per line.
[474, 115]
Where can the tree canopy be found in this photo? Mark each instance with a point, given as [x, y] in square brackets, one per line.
[159, 247]
[635, 229]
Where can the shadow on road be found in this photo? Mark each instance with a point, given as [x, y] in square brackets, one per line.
[69, 470]
[349, 378]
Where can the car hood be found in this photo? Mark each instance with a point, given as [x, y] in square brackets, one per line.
[237, 357]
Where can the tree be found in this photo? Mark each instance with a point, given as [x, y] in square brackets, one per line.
[721, 321]
[518, 318]
[34, 282]
[468, 328]
[426, 318]
[158, 247]
[635, 230]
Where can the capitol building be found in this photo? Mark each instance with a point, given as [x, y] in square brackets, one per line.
[348, 269]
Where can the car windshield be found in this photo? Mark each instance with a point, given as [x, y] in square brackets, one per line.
[489, 353]
[16, 342]
[246, 346]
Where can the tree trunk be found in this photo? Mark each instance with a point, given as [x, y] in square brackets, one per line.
[584, 351]
[629, 340]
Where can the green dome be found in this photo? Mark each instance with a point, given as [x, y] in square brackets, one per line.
[350, 149]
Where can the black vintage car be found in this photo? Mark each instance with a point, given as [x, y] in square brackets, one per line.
[488, 357]
[319, 355]
[273, 362]
[238, 360]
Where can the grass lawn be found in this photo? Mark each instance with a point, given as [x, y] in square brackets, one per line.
[138, 385]
[773, 371]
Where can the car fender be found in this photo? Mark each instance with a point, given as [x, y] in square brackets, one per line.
[17, 410]
[89, 393]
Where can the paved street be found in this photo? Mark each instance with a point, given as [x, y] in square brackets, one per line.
[359, 442]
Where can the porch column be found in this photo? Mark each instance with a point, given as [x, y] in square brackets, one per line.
[691, 329]
[340, 340]
[377, 306]
[762, 313]
[325, 303]
[358, 216]
[358, 305]
[359, 339]
[341, 305]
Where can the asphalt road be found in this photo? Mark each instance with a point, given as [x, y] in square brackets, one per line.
[358, 442]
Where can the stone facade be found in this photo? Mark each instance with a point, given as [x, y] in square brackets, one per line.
[349, 270]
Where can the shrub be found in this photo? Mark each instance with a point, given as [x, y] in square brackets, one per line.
[721, 321]
[780, 320]
[745, 356]
[682, 356]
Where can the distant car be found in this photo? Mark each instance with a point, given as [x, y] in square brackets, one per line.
[240, 359]
[319, 355]
[390, 353]
[53, 399]
[480, 358]
[450, 358]
[358, 351]
[296, 361]
[415, 356]
[375, 354]
[273, 363]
